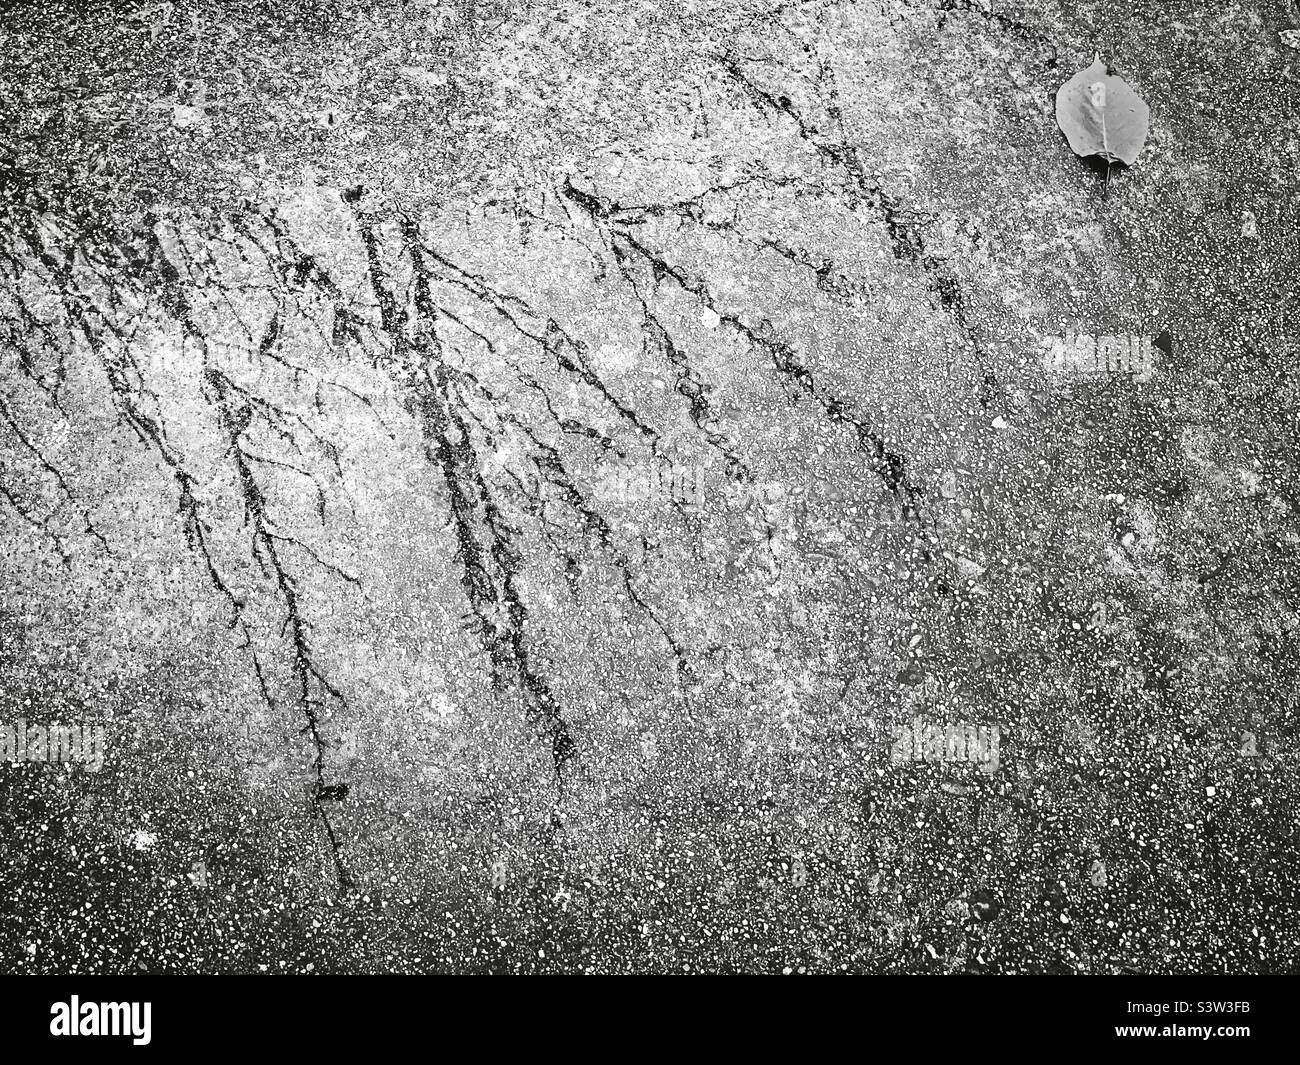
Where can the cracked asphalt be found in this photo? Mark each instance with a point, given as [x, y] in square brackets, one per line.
[335, 334]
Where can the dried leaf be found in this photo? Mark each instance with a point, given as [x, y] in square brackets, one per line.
[1101, 115]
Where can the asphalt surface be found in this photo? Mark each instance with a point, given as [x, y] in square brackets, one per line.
[510, 483]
